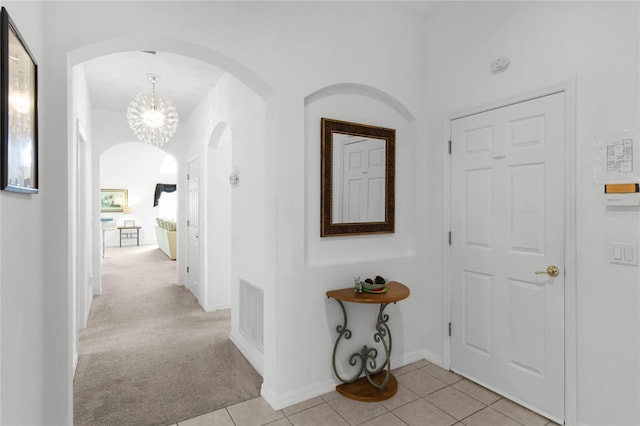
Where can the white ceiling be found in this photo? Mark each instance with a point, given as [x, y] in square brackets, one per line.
[115, 79]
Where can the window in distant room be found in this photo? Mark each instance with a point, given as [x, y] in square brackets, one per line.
[165, 194]
[167, 201]
[168, 205]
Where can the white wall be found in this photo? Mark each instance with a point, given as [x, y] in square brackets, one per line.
[219, 237]
[227, 130]
[379, 54]
[22, 281]
[596, 44]
[135, 167]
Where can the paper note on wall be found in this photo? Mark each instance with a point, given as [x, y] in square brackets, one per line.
[620, 156]
[616, 158]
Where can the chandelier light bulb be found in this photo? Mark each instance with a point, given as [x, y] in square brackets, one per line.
[152, 118]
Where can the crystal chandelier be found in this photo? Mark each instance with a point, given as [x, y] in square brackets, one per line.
[152, 118]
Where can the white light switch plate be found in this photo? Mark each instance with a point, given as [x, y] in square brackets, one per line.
[623, 254]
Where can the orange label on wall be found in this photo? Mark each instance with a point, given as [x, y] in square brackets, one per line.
[621, 188]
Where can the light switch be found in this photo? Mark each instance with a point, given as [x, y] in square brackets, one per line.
[623, 254]
[617, 252]
[628, 254]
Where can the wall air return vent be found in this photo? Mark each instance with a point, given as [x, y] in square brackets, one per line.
[251, 313]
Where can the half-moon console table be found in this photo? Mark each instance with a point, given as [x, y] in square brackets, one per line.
[378, 383]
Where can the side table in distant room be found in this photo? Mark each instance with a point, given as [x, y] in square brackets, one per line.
[129, 231]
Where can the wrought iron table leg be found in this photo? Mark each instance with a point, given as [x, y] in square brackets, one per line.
[367, 356]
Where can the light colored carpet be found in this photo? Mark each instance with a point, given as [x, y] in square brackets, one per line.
[150, 355]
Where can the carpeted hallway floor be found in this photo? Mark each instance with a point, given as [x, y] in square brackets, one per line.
[150, 355]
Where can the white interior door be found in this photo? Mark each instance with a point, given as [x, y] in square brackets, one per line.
[193, 229]
[364, 180]
[507, 223]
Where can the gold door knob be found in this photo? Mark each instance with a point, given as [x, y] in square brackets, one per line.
[552, 271]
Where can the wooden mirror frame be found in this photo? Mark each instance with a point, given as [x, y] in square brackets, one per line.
[327, 227]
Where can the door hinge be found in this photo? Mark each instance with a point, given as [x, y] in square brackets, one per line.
[450, 148]
[188, 272]
[450, 237]
[187, 176]
[187, 222]
[449, 329]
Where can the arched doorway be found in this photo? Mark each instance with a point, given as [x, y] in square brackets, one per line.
[196, 141]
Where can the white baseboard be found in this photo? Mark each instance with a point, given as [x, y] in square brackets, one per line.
[217, 308]
[96, 286]
[75, 362]
[401, 361]
[278, 402]
[434, 358]
[88, 303]
[250, 352]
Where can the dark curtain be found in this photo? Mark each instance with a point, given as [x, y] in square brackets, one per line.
[160, 188]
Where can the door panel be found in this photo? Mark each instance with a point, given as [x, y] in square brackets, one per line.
[527, 319]
[507, 222]
[364, 180]
[477, 313]
[527, 208]
[479, 208]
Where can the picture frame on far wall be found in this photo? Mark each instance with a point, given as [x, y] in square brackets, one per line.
[18, 111]
[113, 200]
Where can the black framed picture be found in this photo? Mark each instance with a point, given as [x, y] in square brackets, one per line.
[18, 111]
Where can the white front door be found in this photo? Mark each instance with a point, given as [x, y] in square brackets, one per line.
[507, 223]
[193, 229]
[363, 192]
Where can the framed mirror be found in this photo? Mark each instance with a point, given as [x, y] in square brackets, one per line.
[358, 179]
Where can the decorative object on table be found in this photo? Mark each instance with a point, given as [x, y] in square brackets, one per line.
[19, 110]
[378, 290]
[357, 285]
[375, 286]
[152, 118]
[113, 200]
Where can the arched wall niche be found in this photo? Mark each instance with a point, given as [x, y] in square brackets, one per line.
[361, 90]
[364, 104]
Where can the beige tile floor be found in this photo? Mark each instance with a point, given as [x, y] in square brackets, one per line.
[427, 395]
